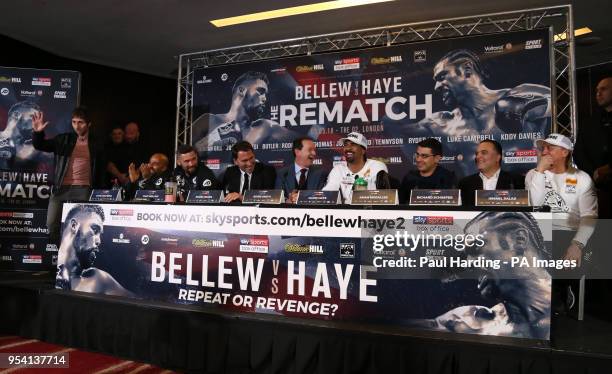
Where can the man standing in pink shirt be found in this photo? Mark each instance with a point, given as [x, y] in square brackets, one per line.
[77, 164]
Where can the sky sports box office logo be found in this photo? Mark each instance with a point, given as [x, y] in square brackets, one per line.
[31, 259]
[521, 156]
[41, 82]
[254, 245]
[121, 214]
[432, 220]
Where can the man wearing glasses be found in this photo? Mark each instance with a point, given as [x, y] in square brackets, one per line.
[428, 174]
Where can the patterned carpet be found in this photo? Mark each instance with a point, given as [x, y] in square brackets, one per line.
[80, 362]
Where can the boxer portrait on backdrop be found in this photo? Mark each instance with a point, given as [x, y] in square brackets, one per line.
[246, 118]
[515, 300]
[475, 108]
[16, 149]
[80, 245]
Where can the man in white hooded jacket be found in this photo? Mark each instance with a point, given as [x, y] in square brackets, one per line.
[569, 192]
[571, 195]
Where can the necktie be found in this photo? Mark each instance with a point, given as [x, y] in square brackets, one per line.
[302, 181]
[245, 185]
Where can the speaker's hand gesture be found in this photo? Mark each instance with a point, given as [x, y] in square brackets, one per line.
[38, 123]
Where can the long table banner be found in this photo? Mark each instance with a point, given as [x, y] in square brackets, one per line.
[26, 175]
[458, 90]
[436, 270]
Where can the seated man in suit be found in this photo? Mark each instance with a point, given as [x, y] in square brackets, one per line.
[489, 176]
[428, 174]
[302, 175]
[246, 174]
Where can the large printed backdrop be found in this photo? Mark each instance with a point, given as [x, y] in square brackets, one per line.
[389, 95]
[241, 259]
[26, 175]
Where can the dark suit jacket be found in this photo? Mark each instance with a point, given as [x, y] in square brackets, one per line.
[263, 178]
[594, 142]
[286, 179]
[471, 183]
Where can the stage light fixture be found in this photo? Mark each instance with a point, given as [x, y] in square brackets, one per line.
[577, 32]
[292, 11]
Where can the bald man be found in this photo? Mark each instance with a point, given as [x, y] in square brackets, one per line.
[150, 176]
[593, 149]
[131, 150]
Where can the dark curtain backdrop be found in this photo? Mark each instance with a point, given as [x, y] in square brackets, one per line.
[113, 96]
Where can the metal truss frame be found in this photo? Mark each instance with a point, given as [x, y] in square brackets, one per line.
[558, 19]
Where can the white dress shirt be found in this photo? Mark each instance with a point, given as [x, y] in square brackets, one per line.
[490, 183]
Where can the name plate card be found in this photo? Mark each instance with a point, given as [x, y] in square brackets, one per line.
[502, 198]
[157, 196]
[318, 197]
[263, 197]
[435, 197]
[105, 195]
[204, 197]
[374, 197]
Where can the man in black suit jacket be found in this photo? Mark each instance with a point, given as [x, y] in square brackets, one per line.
[489, 176]
[301, 175]
[246, 174]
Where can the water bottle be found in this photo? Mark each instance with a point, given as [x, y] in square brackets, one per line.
[360, 184]
[170, 190]
[117, 186]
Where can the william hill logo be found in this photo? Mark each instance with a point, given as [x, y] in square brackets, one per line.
[167, 240]
[208, 243]
[307, 68]
[385, 60]
[303, 248]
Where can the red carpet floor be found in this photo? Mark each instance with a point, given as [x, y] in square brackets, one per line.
[80, 362]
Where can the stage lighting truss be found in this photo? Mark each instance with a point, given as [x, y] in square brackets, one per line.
[558, 19]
